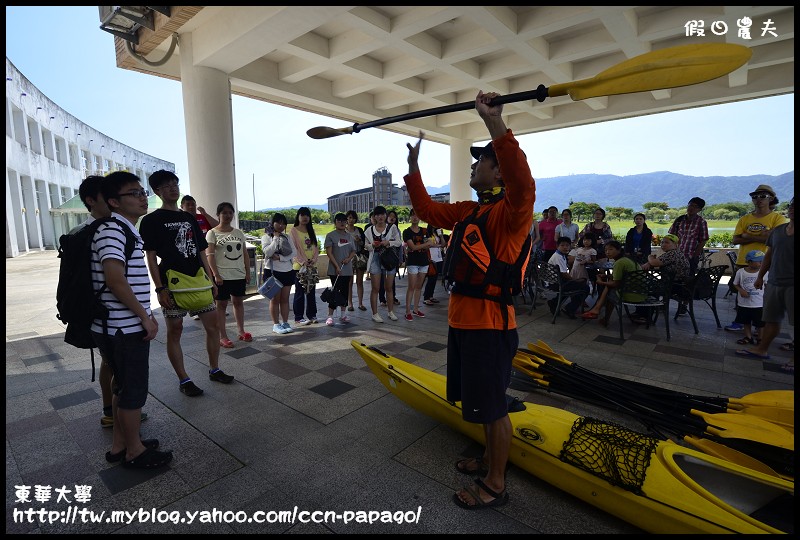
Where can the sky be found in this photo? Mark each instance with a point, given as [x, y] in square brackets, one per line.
[63, 52]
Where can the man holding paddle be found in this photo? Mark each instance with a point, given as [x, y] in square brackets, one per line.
[482, 338]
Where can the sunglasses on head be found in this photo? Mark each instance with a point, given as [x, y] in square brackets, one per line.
[761, 196]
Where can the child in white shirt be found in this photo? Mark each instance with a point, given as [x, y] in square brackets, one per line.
[751, 300]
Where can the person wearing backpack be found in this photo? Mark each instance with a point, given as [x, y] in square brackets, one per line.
[91, 196]
[124, 337]
[382, 239]
[482, 337]
[174, 236]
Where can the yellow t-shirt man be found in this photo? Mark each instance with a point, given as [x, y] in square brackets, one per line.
[752, 224]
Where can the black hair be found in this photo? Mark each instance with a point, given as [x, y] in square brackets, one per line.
[352, 213]
[90, 187]
[568, 211]
[186, 198]
[615, 244]
[161, 177]
[113, 183]
[305, 211]
[279, 218]
[598, 209]
[221, 206]
[640, 214]
[564, 240]
[591, 236]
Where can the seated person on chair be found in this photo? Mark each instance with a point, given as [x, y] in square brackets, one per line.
[622, 266]
[559, 258]
[672, 260]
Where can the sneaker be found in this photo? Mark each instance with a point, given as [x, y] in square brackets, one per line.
[419, 314]
[434, 300]
[392, 316]
[287, 327]
[279, 329]
[196, 317]
[108, 421]
[344, 319]
[190, 389]
[377, 318]
[428, 302]
[302, 322]
[313, 320]
[329, 321]
[734, 327]
[220, 376]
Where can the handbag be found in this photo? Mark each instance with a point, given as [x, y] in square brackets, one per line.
[333, 296]
[431, 269]
[270, 288]
[389, 259]
[190, 292]
[360, 261]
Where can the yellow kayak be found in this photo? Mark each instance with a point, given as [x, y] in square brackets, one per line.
[658, 486]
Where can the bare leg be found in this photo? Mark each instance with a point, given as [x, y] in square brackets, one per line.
[274, 307]
[209, 320]
[238, 313]
[284, 303]
[390, 291]
[174, 351]
[222, 307]
[498, 444]
[360, 286]
[373, 293]
[768, 333]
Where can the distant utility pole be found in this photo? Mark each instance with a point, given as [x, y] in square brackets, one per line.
[254, 195]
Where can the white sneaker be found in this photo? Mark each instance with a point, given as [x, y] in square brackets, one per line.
[288, 327]
[377, 318]
[278, 329]
[392, 316]
[302, 322]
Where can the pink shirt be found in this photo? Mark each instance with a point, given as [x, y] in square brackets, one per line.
[547, 229]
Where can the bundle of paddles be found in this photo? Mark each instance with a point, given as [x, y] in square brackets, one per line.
[756, 430]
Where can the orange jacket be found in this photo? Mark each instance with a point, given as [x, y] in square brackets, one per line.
[508, 225]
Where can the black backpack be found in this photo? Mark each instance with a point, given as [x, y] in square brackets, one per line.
[76, 300]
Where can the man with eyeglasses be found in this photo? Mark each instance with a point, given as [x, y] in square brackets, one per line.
[753, 229]
[174, 236]
[124, 339]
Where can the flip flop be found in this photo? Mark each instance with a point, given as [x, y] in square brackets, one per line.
[751, 354]
[247, 336]
[499, 499]
[362, 308]
[149, 459]
[228, 344]
[746, 341]
[588, 315]
[120, 456]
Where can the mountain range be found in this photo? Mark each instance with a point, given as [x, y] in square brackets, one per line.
[662, 186]
[634, 190]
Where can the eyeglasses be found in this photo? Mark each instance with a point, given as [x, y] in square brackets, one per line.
[141, 193]
[760, 196]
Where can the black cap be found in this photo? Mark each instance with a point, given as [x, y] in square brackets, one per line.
[487, 150]
[698, 201]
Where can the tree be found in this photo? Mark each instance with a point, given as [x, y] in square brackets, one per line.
[618, 212]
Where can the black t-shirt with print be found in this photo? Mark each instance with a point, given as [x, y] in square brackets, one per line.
[420, 257]
[176, 238]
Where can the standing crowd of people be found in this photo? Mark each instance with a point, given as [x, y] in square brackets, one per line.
[182, 249]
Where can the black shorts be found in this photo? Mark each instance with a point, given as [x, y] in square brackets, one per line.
[479, 371]
[287, 278]
[128, 356]
[231, 287]
[747, 315]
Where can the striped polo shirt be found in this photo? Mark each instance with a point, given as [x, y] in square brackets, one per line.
[109, 243]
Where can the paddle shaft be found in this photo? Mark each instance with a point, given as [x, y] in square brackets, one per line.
[540, 94]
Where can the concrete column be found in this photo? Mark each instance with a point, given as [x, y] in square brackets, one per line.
[209, 132]
[460, 162]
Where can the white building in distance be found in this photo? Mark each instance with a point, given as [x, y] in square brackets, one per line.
[48, 154]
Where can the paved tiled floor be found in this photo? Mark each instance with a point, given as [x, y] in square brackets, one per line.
[306, 424]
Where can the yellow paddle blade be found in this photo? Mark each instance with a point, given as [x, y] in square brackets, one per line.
[729, 454]
[683, 65]
[766, 398]
[752, 428]
[776, 415]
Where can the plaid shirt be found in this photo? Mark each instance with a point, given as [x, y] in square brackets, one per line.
[690, 233]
